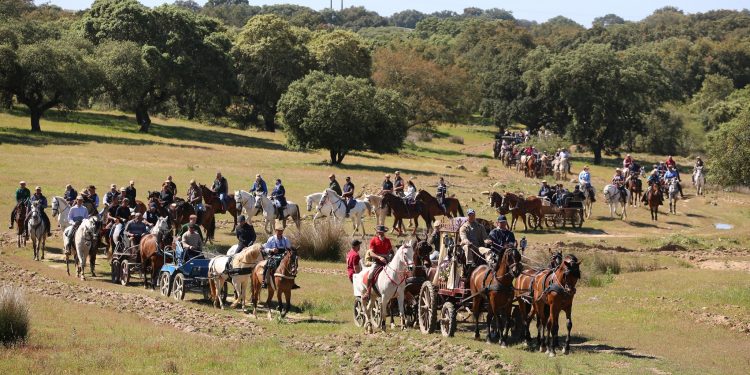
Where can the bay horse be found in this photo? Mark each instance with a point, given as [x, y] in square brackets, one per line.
[553, 292]
[242, 266]
[523, 286]
[212, 199]
[452, 205]
[403, 211]
[520, 207]
[530, 170]
[181, 211]
[635, 187]
[151, 250]
[20, 219]
[654, 198]
[494, 284]
[282, 281]
[37, 230]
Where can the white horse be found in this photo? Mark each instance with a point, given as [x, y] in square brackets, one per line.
[674, 190]
[243, 264]
[588, 204]
[390, 282]
[614, 196]
[332, 205]
[269, 212]
[313, 198]
[699, 180]
[37, 231]
[85, 242]
[246, 201]
[375, 202]
[60, 209]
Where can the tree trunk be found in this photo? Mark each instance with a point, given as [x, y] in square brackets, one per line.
[141, 115]
[340, 157]
[597, 154]
[269, 118]
[36, 115]
[336, 156]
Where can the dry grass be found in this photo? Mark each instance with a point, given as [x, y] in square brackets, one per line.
[325, 241]
[14, 317]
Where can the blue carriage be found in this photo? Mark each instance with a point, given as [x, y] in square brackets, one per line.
[181, 274]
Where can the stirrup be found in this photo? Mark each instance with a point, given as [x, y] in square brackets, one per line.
[264, 285]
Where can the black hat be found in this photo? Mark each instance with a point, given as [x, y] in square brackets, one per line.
[356, 243]
[502, 219]
[242, 218]
[381, 228]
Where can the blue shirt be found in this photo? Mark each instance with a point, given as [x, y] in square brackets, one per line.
[275, 243]
[672, 174]
[77, 213]
[584, 177]
[259, 187]
[38, 198]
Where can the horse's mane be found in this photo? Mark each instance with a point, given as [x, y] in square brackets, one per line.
[249, 255]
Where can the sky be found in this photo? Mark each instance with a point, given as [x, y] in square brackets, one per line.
[582, 11]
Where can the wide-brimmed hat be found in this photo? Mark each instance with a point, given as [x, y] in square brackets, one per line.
[113, 186]
[279, 225]
[79, 197]
[471, 212]
[123, 188]
[38, 188]
[22, 183]
[381, 228]
[544, 181]
[331, 175]
[437, 224]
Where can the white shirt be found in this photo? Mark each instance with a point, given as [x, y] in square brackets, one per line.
[411, 192]
[77, 212]
[275, 243]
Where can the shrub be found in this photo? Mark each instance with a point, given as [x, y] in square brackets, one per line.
[549, 143]
[14, 317]
[484, 171]
[602, 264]
[456, 139]
[326, 240]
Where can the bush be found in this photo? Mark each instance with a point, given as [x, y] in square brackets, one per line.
[14, 317]
[549, 143]
[326, 240]
[456, 139]
[602, 264]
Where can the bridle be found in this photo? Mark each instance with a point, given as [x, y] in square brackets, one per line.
[404, 274]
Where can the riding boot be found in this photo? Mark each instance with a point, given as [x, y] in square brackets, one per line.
[264, 284]
[12, 218]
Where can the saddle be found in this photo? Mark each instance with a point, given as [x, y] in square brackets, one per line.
[366, 279]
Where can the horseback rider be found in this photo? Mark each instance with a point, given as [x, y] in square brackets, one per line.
[90, 195]
[70, 194]
[584, 179]
[577, 194]
[619, 180]
[166, 195]
[410, 195]
[472, 235]
[195, 198]
[334, 185]
[635, 170]
[274, 250]
[192, 219]
[377, 255]
[698, 162]
[259, 186]
[152, 215]
[673, 173]
[387, 185]
[75, 216]
[670, 162]
[41, 201]
[22, 196]
[192, 242]
[245, 234]
[135, 229]
[398, 185]
[172, 185]
[500, 238]
[348, 194]
[653, 179]
[221, 188]
[544, 190]
[130, 193]
[278, 196]
[627, 162]
[111, 194]
[441, 193]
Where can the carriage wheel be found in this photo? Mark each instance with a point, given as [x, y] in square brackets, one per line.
[124, 273]
[359, 312]
[376, 313]
[178, 287]
[549, 221]
[448, 319]
[411, 312]
[164, 284]
[561, 219]
[427, 308]
[577, 219]
[115, 271]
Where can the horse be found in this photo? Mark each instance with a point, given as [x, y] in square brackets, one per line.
[376, 201]
[282, 281]
[85, 242]
[20, 218]
[332, 205]
[635, 187]
[246, 201]
[151, 250]
[545, 166]
[37, 231]
[495, 285]
[588, 203]
[560, 167]
[269, 212]
[519, 207]
[553, 292]
[452, 205]
[699, 180]
[154, 197]
[613, 195]
[654, 200]
[60, 210]
[496, 149]
[242, 266]
[530, 163]
[390, 282]
[313, 198]
[523, 285]
[181, 211]
[403, 211]
[672, 194]
[212, 199]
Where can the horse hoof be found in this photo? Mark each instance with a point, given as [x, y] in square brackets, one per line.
[566, 351]
[552, 354]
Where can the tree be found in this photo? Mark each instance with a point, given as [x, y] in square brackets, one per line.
[269, 56]
[188, 4]
[608, 20]
[47, 74]
[407, 18]
[15, 8]
[342, 114]
[728, 152]
[341, 52]
[715, 88]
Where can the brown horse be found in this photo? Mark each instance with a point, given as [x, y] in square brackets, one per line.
[401, 211]
[282, 281]
[181, 212]
[140, 208]
[524, 294]
[152, 248]
[520, 207]
[495, 285]
[153, 197]
[553, 292]
[635, 186]
[20, 219]
[452, 206]
[654, 198]
[530, 170]
[212, 199]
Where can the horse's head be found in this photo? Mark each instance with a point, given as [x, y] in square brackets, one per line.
[55, 206]
[404, 255]
[555, 259]
[259, 200]
[513, 260]
[385, 200]
[571, 272]
[162, 224]
[292, 262]
[309, 201]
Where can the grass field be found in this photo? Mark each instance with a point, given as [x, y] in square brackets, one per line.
[688, 311]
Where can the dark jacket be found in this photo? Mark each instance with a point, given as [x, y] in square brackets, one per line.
[279, 193]
[166, 197]
[221, 186]
[70, 195]
[334, 185]
[501, 238]
[348, 190]
[245, 236]
[130, 194]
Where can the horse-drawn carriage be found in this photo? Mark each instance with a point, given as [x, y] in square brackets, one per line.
[571, 212]
[125, 260]
[181, 273]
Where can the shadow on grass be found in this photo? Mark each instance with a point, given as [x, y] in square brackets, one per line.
[27, 138]
[680, 224]
[382, 169]
[639, 224]
[696, 215]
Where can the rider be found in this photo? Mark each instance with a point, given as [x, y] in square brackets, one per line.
[442, 192]
[259, 186]
[70, 194]
[245, 234]
[90, 194]
[500, 238]
[111, 194]
[221, 187]
[135, 229]
[274, 250]
[577, 194]
[41, 205]
[278, 196]
[544, 190]
[670, 163]
[121, 214]
[387, 185]
[653, 179]
[698, 162]
[130, 193]
[348, 194]
[334, 185]
[75, 216]
[192, 242]
[22, 196]
[172, 185]
[627, 162]
[398, 185]
[472, 235]
[377, 255]
[193, 219]
[584, 179]
[673, 173]
[410, 195]
[195, 197]
[166, 196]
[152, 215]
[635, 170]
[619, 180]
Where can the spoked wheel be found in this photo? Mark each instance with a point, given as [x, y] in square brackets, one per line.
[550, 221]
[125, 273]
[115, 272]
[178, 287]
[164, 284]
[448, 319]
[376, 314]
[359, 312]
[427, 309]
[411, 308]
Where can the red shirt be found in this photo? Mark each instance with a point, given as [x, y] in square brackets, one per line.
[380, 247]
[352, 261]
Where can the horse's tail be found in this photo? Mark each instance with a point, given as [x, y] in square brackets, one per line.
[297, 218]
[369, 208]
[211, 230]
[460, 210]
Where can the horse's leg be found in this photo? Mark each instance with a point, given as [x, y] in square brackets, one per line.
[92, 259]
[400, 299]
[383, 311]
[475, 304]
[269, 300]
[540, 323]
[279, 293]
[552, 328]
[144, 263]
[569, 326]
[288, 297]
